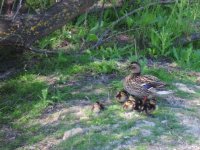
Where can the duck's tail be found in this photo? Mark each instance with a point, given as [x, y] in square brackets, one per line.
[161, 93]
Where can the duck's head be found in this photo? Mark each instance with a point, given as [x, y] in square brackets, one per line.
[99, 105]
[135, 68]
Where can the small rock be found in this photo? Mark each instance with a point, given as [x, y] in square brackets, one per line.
[126, 137]
[164, 121]
[145, 132]
[148, 123]
[72, 133]
[174, 65]
[198, 80]
[184, 88]
[144, 123]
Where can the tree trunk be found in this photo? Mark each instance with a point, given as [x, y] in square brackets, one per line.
[24, 30]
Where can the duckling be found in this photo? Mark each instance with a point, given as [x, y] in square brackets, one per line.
[148, 105]
[130, 104]
[138, 104]
[122, 96]
[151, 106]
[97, 107]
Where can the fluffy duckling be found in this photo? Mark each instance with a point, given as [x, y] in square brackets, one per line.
[130, 104]
[122, 96]
[97, 107]
[148, 105]
[151, 106]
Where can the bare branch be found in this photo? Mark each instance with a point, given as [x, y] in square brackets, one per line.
[187, 39]
[32, 28]
[109, 29]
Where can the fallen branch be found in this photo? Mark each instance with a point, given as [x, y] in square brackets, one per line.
[18, 8]
[32, 28]
[187, 39]
[53, 52]
[98, 7]
[109, 29]
[46, 52]
[42, 51]
[8, 73]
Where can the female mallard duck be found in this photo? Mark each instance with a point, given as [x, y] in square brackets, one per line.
[97, 107]
[122, 96]
[147, 81]
[130, 104]
[140, 86]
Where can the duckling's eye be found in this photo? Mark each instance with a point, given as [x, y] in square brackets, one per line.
[133, 67]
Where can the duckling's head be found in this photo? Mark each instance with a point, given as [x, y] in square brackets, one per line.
[121, 93]
[135, 68]
[130, 103]
[97, 107]
[132, 98]
[122, 96]
[153, 101]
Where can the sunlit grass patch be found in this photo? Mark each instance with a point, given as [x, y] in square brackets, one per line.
[91, 140]
[21, 95]
[111, 115]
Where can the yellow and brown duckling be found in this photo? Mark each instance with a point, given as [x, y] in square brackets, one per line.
[97, 107]
[151, 106]
[122, 96]
[148, 105]
[130, 104]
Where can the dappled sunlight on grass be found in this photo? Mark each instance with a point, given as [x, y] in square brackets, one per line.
[20, 96]
[48, 104]
[42, 108]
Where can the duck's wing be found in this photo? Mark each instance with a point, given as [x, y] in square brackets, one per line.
[151, 81]
[133, 88]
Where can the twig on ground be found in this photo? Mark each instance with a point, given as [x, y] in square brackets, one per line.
[52, 52]
[101, 39]
[44, 51]
[122, 32]
[7, 74]
[18, 8]
[187, 39]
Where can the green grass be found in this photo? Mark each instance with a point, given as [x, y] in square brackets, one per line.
[96, 74]
[25, 97]
[21, 95]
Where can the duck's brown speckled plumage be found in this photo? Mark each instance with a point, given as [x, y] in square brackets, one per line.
[139, 85]
[132, 86]
[151, 80]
